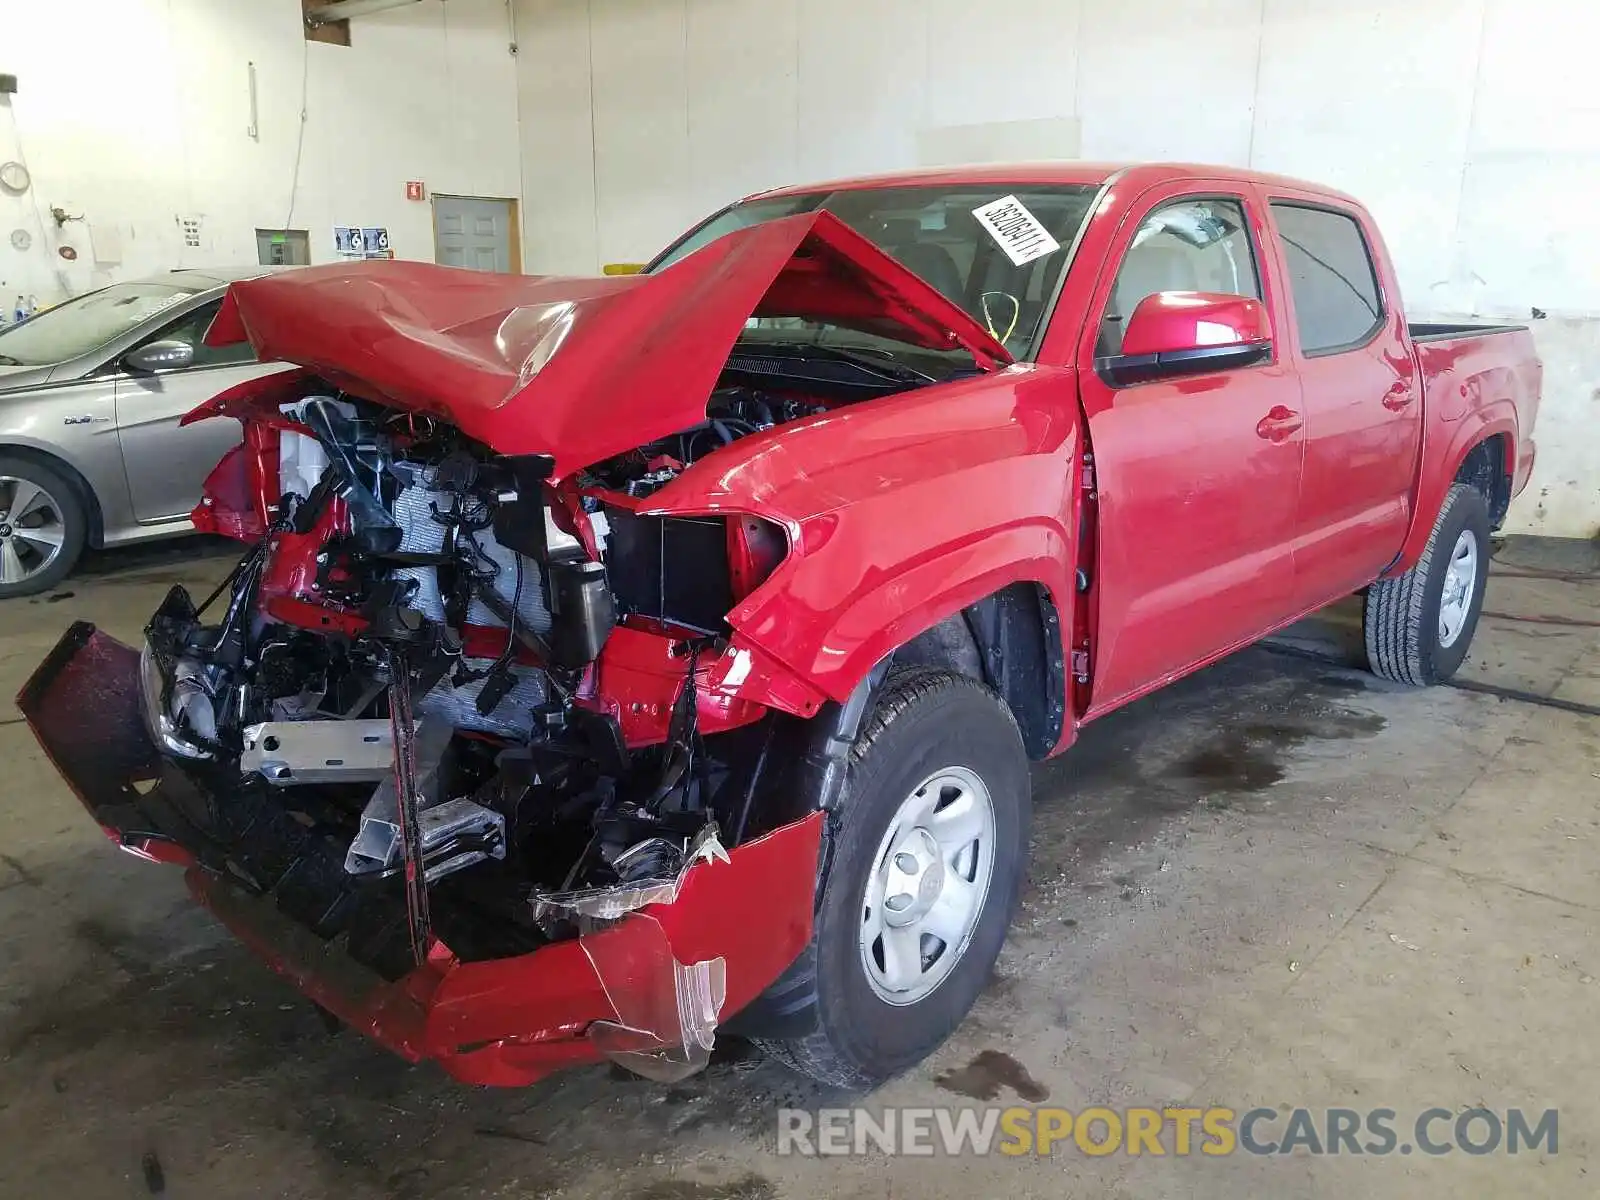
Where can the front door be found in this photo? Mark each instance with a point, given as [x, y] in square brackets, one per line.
[469, 231]
[1196, 490]
[166, 465]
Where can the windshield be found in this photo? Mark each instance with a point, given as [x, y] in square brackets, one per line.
[86, 323]
[986, 255]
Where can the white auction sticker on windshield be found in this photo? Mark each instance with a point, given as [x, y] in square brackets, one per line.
[1016, 230]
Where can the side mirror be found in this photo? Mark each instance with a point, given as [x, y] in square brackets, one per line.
[622, 268]
[1185, 333]
[154, 357]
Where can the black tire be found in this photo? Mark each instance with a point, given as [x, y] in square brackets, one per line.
[925, 721]
[67, 504]
[1401, 615]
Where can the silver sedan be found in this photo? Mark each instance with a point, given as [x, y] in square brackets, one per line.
[90, 397]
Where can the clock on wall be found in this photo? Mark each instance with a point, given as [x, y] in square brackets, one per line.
[14, 176]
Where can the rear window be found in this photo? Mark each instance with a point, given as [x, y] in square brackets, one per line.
[1331, 277]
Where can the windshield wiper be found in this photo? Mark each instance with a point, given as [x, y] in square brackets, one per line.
[885, 367]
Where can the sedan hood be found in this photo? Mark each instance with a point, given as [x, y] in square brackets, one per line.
[578, 369]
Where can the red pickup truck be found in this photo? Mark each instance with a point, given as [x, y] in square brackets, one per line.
[619, 660]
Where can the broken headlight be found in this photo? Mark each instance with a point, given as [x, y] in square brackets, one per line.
[169, 711]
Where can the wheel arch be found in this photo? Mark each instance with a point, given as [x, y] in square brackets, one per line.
[1486, 467]
[1479, 452]
[85, 494]
[1009, 640]
[989, 583]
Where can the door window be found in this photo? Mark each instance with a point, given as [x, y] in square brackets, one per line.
[1337, 305]
[191, 328]
[1184, 246]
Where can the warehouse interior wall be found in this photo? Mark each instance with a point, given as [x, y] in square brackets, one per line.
[1470, 127]
[135, 114]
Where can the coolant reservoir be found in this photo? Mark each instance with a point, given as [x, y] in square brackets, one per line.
[301, 462]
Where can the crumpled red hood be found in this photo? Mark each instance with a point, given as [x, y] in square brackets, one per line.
[579, 369]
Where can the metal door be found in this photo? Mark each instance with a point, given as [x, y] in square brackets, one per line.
[166, 465]
[1196, 490]
[469, 231]
[1359, 379]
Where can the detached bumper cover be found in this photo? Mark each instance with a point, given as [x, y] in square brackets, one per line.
[646, 990]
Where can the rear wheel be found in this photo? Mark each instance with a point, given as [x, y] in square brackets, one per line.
[42, 527]
[1419, 625]
[928, 860]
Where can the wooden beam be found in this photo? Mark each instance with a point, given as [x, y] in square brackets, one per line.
[334, 33]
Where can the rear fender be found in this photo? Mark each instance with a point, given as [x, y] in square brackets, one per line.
[1441, 463]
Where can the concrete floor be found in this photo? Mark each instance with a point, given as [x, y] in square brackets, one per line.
[1279, 883]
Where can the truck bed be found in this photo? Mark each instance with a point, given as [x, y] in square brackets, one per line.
[1434, 331]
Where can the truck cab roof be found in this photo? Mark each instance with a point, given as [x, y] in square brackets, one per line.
[1138, 175]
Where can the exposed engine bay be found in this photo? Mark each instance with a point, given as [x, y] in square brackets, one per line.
[733, 413]
[449, 670]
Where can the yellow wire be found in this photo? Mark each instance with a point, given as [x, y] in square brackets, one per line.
[1016, 315]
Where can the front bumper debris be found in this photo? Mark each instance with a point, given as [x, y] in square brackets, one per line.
[646, 990]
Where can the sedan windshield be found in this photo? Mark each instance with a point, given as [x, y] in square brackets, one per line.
[86, 323]
[961, 239]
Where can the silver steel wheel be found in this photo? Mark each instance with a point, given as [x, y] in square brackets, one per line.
[1460, 582]
[928, 886]
[32, 529]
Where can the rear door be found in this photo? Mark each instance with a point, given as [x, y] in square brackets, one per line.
[1363, 422]
[1196, 504]
[166, 465]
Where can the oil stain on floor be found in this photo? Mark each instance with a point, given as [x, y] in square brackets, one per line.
[751, 1187]
[1251, 758]
[988, 1073]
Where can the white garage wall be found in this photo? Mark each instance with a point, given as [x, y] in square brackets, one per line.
[1471, 127]
[134, 112]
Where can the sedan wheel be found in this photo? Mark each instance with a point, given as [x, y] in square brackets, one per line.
[42, 526]
[32, 530]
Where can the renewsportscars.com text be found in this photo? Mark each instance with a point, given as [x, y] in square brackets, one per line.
[1177, 1131]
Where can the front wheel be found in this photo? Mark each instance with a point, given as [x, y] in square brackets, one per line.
[42, 527]
[929, 851]
[1419, 625]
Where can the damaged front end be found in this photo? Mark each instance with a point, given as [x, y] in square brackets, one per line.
[469, 744]
[453, 748]
[502, 980]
